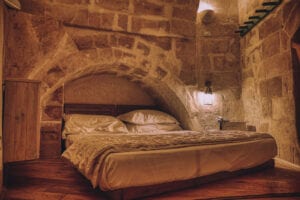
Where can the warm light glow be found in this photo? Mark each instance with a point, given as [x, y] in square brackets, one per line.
[206, 99]
[204, 6]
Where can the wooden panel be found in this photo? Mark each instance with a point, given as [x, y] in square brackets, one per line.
[144, 191]
[103, 109]
[89, 109]
[32, 121]
[21, 120]
[9, 120]
[20, 123]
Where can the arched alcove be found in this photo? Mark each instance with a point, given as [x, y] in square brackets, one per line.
[105, 89]
[296, 76]
[170, 93]
[155, 53]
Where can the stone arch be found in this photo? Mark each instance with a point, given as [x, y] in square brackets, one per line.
[169, 94]
[58, 42]
[154, 66]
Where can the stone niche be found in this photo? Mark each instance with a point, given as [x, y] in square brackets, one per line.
[218, 61]
[105, 89]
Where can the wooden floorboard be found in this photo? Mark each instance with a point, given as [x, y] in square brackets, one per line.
[58, 180]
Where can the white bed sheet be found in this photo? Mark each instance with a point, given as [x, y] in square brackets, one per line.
[142, 168]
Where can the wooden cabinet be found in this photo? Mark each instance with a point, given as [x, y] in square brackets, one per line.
[21, 124]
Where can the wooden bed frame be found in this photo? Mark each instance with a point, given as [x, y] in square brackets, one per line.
[145, 191]
[104, 109]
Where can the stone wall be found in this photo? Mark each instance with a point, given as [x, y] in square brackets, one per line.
[218, 60]
[107, 89]
[155, 44]
[149, 42]
[267, 75]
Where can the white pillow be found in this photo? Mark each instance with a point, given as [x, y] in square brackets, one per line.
[147, 117]
[151, 128]
[84, 124]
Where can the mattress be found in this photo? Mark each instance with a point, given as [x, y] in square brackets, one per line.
[144, 166]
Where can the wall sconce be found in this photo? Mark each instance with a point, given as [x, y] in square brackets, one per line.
[205, 13]
[206, 97]
[204, 6]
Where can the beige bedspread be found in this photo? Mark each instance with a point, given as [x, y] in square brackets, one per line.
[89, 152]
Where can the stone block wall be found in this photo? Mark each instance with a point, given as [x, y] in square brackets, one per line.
[155, 44]
[267, 75]
[149, 42]
[218, 60]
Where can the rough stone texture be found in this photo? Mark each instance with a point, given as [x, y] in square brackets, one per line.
[85, 42]
[184, 13]
[117, 5]
[271, 46]
[139, 73]
[136, 39]
[143, 48]
[52, 113]
[150, 16]
[53, 75]
[102, 41]
[161, 72]
[100, 20]
[268, 82]
[50, 140]
[126, 42]
[157, 49]
[185, 50]
[20, 30]
[57, 97]
[107, 89]
[144, 7]
[123, 21]
[218, 61]
[165, 43]
[270, 25]
[182, 27]
[149, 25]
[271, 87]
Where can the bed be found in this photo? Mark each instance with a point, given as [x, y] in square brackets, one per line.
[128, 165]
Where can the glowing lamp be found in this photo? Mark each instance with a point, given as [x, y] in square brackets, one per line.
[205, 13]
[204, 6]
[207, 97]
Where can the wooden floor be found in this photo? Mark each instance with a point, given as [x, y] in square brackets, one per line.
[56, 180]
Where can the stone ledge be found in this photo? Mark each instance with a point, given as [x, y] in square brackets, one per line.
[234, 126]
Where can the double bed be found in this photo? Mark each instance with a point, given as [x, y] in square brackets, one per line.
[128, 165]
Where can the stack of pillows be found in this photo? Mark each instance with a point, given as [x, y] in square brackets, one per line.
[137, 121]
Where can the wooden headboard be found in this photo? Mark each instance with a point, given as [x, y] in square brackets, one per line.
[103, 109]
